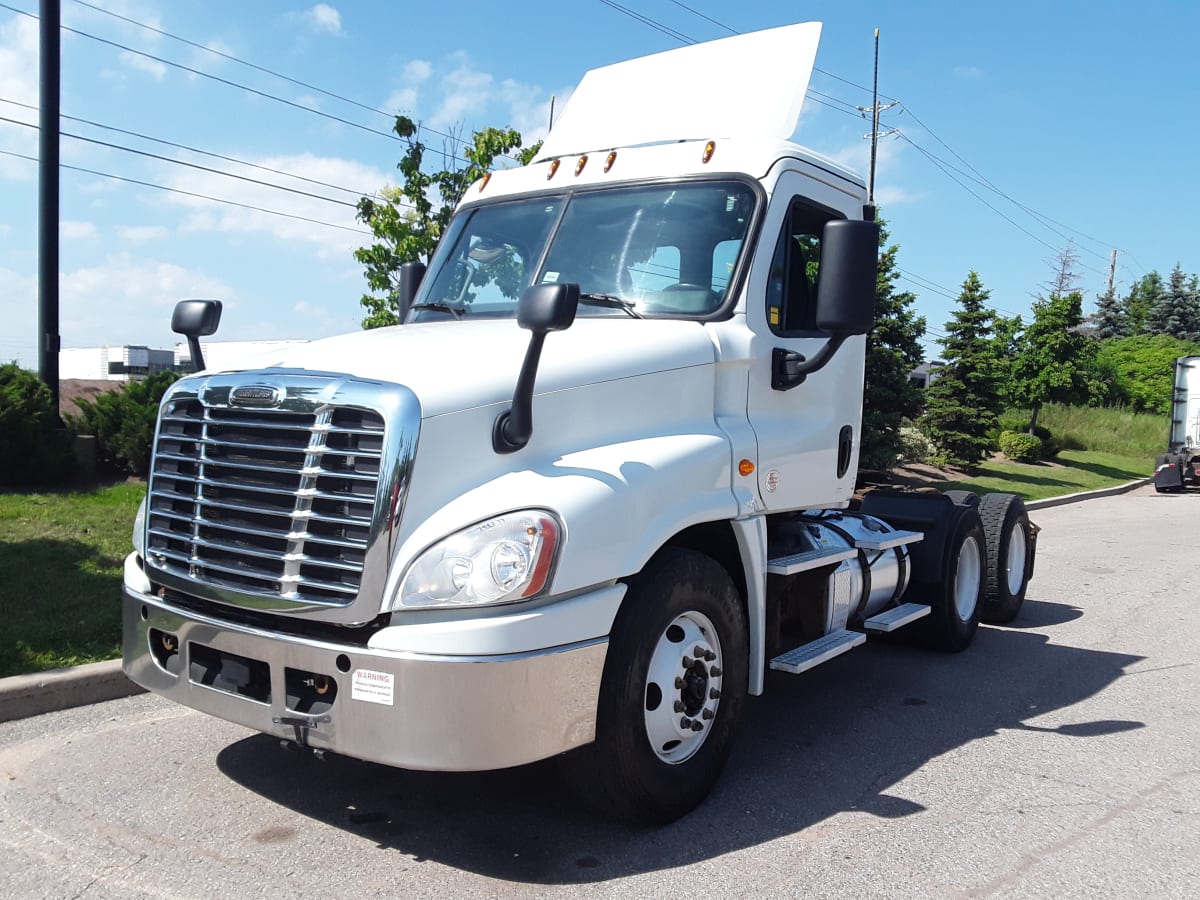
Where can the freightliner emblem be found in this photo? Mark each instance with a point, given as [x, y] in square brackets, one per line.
[255, 395]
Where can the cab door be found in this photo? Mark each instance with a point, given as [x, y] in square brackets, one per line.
[808, 434]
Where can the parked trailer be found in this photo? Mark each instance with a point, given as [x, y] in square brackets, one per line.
[444, 546]
[1178, 467]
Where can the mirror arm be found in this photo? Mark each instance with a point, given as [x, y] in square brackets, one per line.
[194, 350]
[789, 368]
[514, 427]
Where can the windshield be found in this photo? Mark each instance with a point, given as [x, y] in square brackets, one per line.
[651, 250]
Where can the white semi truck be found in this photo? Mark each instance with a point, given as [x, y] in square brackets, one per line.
[459, 545]
[1179, 467]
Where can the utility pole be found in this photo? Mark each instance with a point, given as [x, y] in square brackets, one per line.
[49, 55]
[875, 109]
[1112, 272]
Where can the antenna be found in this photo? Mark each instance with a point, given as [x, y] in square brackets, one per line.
[551, 128]
[875, 110]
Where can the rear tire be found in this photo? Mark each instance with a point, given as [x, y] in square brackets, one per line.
[959, 596]
[1009, 556]
[963, 498]
[678, 657]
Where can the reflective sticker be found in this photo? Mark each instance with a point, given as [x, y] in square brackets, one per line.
[373, 687]
[773, 481]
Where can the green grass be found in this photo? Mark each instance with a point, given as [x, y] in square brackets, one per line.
[1114, 430]
[1071, 471]
[61, 554]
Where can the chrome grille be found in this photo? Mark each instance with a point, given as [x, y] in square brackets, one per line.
[266, 502]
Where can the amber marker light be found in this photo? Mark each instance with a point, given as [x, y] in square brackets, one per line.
[612, 158]
[745, 467]
[579, 165]
[709, 148]
[484, 183]
[553, 168]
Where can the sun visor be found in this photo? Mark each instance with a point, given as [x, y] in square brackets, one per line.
[747, 85]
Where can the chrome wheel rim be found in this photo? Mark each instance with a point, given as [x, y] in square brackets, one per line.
[1014, 565]
[967, 579]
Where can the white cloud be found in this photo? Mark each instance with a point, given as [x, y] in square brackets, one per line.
[967, 71]
[70, 230]
[139, 234]
[416, 71]
[205, 215]
[323, 18]
[156, 70]
[19, 83]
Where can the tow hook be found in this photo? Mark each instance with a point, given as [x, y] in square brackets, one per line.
[301, 725]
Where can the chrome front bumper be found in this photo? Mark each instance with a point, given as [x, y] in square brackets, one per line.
[415, 711]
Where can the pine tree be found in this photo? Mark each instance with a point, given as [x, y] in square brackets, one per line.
[1008, 338]
[963, 402]
[1110, 318]
[893, 350]
[1173, 314]
[1141, 299]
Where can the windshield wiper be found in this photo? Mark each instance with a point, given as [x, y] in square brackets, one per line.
[588, 298]
[440, 307]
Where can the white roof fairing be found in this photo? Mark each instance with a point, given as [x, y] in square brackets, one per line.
[750, 85]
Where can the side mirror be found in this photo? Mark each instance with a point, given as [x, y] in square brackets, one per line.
[196, 319]
[846, 285]
[411, 276]
[542, 308]
[845, 297]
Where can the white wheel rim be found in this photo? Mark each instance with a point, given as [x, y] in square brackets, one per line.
[1014, 566]
[967, 579]
[683, 687]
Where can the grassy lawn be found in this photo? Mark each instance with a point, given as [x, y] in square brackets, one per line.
[60, 595]
[1071, 471]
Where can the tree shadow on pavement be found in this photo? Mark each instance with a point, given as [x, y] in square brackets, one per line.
[810, 748]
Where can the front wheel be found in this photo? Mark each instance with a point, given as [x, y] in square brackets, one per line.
[674, 685]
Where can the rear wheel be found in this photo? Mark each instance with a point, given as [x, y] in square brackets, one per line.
[963, 498]
[957, 602]
[1009, 556]
[674, 685]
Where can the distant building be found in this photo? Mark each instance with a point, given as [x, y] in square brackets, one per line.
[133, 361]
[926, 373]
[129, 361]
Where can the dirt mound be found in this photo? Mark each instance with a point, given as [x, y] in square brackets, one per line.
[70, 388]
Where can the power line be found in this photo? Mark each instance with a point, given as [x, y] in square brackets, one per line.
[190, 165]
[163, 187]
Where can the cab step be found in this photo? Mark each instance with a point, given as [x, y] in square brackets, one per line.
[889, 539]
[823, 649]
[896, 617]
[809, 559]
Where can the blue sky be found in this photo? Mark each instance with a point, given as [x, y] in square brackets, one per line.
[1068, 120]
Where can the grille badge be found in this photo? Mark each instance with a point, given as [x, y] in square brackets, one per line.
[258, 395]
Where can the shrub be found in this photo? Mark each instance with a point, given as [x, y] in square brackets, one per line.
[915, 447]
[1020, 446]
[33, 448]
[123, 423]
[1015, 421]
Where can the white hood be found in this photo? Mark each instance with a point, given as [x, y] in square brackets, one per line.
[452, 366]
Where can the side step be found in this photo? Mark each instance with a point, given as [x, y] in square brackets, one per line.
[823, 649]
[889, 539]
[897, 617]
[809, 559]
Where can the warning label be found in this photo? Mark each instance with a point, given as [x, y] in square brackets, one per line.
[373, 687]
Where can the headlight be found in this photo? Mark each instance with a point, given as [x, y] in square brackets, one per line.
[139, 530]
[501, 560]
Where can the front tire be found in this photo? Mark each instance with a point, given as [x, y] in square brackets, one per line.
[674, 685]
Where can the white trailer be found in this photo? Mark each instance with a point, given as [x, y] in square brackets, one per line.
[451, 546]
[1178, 467]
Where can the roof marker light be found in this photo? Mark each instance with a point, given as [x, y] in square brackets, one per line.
[579, 165]
[708, 151]
[553, 168]
[487, 176]
[612, 158]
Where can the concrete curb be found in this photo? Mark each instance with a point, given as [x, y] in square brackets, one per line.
[1088, 495]
[22, 696]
